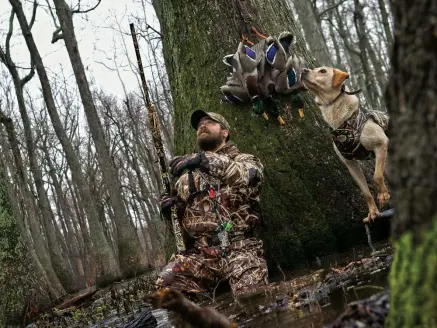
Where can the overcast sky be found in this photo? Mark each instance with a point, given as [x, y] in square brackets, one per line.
[97, 35]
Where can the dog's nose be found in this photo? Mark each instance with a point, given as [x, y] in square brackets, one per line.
[304, 71]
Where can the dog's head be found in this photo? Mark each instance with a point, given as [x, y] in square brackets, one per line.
[323, 81]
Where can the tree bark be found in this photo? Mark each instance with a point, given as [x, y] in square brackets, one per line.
[308, 198]
[131, 257]
[104, 257]
[412, 99]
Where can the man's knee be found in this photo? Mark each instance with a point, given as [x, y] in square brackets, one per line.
[248, 269]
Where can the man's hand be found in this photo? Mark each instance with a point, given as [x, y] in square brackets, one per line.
[188, 162]
[166, 202]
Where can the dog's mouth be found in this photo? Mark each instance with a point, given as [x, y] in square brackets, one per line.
[307, 83]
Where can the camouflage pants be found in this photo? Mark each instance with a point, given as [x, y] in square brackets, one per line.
[243, 266]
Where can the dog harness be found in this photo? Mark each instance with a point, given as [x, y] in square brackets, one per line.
[347, 137]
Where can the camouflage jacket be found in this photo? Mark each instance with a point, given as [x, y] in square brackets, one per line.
[227, 189]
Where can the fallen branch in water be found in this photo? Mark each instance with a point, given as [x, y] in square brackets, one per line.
[201, 317]
[145, 319]
[370, 312]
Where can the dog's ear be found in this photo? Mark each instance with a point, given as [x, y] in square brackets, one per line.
[339, 77]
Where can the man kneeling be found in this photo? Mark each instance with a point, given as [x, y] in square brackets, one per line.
[218, 207]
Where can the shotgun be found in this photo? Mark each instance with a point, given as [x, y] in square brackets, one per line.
[156, 134]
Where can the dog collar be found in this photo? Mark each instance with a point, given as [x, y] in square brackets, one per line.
[343, 90]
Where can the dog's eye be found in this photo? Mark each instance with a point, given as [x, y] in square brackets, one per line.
[322, 71]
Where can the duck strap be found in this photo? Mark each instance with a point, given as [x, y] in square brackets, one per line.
[246, 20]
[157, 141]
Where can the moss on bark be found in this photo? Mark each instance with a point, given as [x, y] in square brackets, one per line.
[413, 280]
[310, 203]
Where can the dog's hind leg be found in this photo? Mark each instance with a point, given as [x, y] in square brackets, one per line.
[358, 175]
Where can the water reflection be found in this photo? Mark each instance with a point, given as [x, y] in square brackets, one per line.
[314, 296]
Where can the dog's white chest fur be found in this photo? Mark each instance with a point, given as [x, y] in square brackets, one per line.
[336, 114]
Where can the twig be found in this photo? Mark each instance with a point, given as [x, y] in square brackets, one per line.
[283, 274]
[148, 26]
[331, 8]
[213, 293]
[78, 11]
[369, 286]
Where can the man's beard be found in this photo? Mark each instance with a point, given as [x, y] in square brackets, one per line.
[209, 142]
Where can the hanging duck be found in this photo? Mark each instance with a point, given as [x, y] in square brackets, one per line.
[260, 71]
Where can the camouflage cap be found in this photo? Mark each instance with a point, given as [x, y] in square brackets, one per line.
[199, 114]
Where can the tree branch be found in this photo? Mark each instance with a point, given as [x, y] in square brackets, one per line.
[32, 20]
[29, 76]
[331, 8]
[9, 36]
[345, 42]
[57, 35]
[162, 37]
[78, 11]
[51, 14]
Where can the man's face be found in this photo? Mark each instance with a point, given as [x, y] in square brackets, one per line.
[210, 134]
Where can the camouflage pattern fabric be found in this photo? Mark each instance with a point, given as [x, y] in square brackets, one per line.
[228, 187]
[200, 272]
[347, 137]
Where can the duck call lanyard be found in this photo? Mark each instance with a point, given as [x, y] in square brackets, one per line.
[225, 226]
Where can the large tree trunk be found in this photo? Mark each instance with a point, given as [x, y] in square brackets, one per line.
[131, 257]
[412, 100]
[309, 198]
[109, 267]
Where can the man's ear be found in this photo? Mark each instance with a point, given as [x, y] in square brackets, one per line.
[339, 77]
[225, 133]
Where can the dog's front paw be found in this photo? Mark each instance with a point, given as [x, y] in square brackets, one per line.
[373, 213]
[383, 198]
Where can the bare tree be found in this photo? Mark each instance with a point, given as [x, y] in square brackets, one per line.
[310, 21]
[130, 254]
[59, 263]
[104, 257]
[20, 178]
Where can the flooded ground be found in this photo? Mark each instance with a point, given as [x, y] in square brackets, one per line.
[311, 296]
[315, 296]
